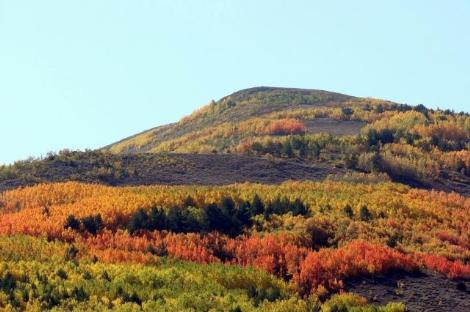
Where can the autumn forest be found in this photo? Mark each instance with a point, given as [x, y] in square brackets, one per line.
[113, 229]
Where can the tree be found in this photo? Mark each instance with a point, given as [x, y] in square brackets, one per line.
[258, 206]
[364, 214]
[228, 206]
[72, 223]
[298, 208]
[173, 220]
[92, 224]
[348, 211]
[157, 219]
[244, 213]
[287, 149]
[139, 221]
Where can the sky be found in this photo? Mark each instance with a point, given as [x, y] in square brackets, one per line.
[84, 74]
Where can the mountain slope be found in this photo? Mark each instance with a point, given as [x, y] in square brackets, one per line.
[273, 127]
[413, 144]
[235, 108]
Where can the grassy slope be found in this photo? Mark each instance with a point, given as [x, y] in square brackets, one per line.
[237, 107]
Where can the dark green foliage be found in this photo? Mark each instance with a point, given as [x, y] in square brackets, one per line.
[348, 211]
[318, 236]
[92, 224]
[218, 219]
[259, 295]
[79, 294]
[229, 217]
[7, 282]
[282, 206]
[287, 149]
[258, 206]
[298, 208]
[131, 298]
[139, 221]
[364, 214]
[244, 213]
[72, 223]
[62, 274]
[347, 111]
[157, 219]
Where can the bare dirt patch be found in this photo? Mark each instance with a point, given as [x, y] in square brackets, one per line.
[333, 126]
[419, 292]
[146, 169]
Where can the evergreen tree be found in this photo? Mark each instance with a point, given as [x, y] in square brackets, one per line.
[258, 206]
[93, 224]
[72, 223]
[365, 214]
[348, 211]
[139, 221]
[298, 208]
[157, 219]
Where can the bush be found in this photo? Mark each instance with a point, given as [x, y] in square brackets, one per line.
[92, 224]
[364, 214]
[348, 211]
[285, 126]
[72, 223]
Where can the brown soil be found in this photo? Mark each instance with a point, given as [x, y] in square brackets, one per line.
[332, 126]
[419, 292]
[205, 169]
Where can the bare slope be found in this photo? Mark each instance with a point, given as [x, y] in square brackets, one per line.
[147, 169]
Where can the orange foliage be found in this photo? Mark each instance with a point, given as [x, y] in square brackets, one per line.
[327, 267]
[448, 131]
[285, 126]
[452, 269]
[43, 209]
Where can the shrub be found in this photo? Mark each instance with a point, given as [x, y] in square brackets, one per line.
[364, 214]
[285, 126]
[92, 224]
[348, 211]
[72, 223]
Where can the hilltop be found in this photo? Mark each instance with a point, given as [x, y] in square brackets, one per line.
[233, 109]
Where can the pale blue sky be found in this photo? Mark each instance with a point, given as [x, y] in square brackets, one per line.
[82, 74]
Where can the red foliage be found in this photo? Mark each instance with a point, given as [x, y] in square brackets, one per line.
[448, 237]
[273, 253]
[328, 266]
[285, 126]
[452, 269]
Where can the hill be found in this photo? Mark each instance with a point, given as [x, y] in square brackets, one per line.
[235, 108]
[270, 199]
[302, 130]
[412, 144]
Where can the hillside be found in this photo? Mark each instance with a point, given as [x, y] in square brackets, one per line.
[282, 134]
[412, 144]
[148, 169]
[235, 108]
[270, 199]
